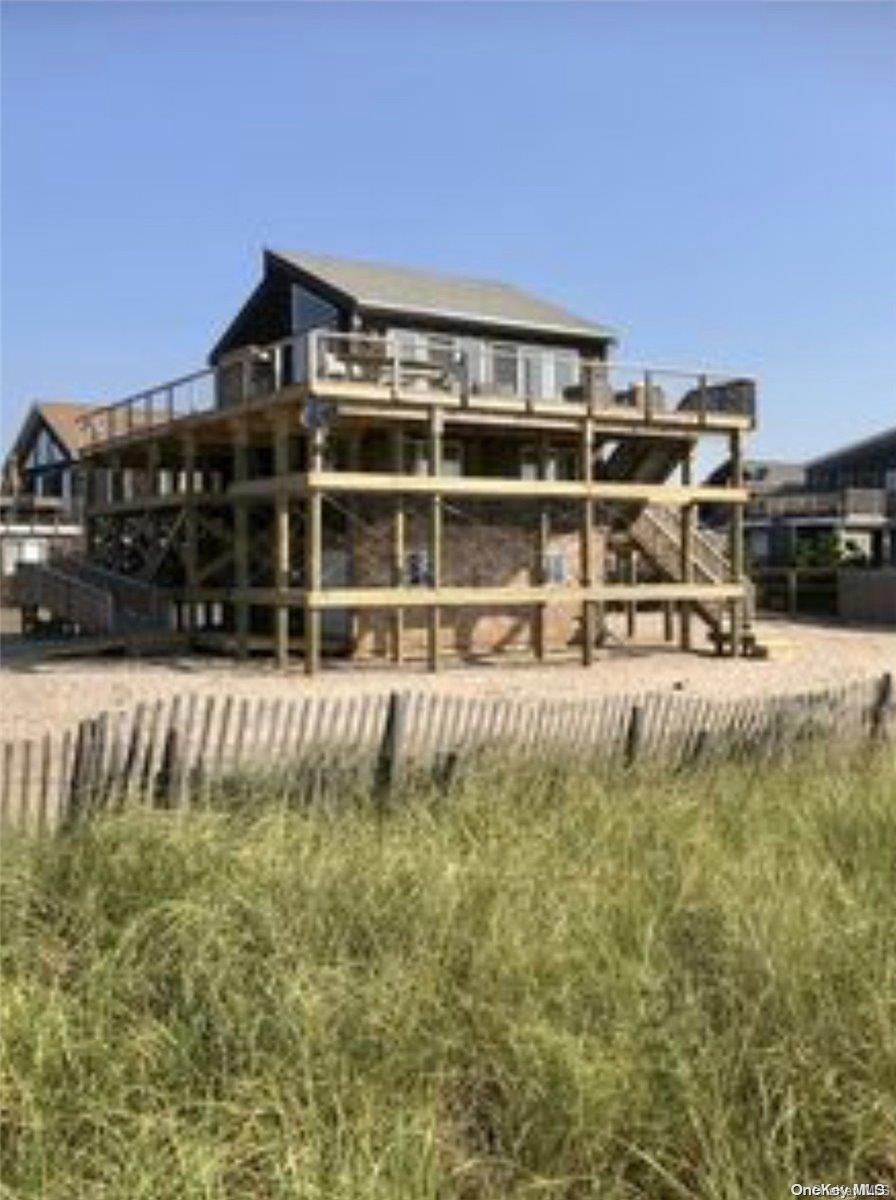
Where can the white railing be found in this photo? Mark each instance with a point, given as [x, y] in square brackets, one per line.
[406, 366]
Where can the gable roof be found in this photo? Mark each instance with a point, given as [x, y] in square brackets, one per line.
[61, 417]
[883, 444]
[379, 287]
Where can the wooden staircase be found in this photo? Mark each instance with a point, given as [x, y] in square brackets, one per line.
[91, 599]
[655, 531]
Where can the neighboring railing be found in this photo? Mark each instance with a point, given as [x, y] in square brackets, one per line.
[136, 602]
[402, 369]
[90, 607]
[182, 753]
[870, 502]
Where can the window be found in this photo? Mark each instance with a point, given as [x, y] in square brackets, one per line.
[553, 567]
[566, 372]
[310, 311]
[505, 370]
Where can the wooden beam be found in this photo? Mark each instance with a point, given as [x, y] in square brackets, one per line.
[736, 542]
[465, 485]
[492, 597]
[543, 537]
[686, 552]
[241, 540]
[588, 571]
[631, 611]
[313, 553]
[191, 532]
[281, 541]
[398, 545]
[435, 535]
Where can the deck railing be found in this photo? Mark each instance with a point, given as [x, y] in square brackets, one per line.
[858, 502]
[408, 368]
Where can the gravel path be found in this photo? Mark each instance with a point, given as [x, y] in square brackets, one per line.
[56, 694]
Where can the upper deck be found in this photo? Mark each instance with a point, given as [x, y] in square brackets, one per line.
[393, 377]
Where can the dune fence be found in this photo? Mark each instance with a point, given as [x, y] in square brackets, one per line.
[179, 753]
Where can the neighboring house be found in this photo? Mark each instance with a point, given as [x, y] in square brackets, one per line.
[381, 461]
[842, 504]
[40, 500]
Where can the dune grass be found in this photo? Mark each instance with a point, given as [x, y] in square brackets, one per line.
[548, 983]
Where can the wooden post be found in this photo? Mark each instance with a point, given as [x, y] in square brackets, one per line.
[543, 537]
[398, 547]
[686, 564]
[668, 622]
[634, 735]
[631, 608]
[736, 548]
[241, 539]
[388, 764]
[152, 468]
[190, 528]
[281, 539]
[435, 533]
[313, 554]
[589, 624]
[883, 703]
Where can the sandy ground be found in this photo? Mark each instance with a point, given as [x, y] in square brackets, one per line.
[37, 697]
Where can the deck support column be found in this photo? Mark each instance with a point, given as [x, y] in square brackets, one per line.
[736, 546]
[686, 563]
[313, 554]
[543, 539]
[281, 541]
[436, 425]
[589, 615]
[241, 540]
[398, 547]
[191, 531]
[631, 608]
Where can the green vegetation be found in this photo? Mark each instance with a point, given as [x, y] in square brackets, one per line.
[546, 984]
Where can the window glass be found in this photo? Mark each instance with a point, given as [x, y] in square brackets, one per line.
[505, 369]
[311, 312]
[566, 372]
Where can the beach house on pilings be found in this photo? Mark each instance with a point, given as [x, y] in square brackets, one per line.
[380, 462]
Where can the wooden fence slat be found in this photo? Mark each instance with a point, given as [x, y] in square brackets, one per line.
[24, 785]
[242, 722]
[273, 729]
[147, 772]
[63, 782]
[199, 785]
[45, 763]
[184, 766]
[9, 750]
[132, 755]
[223, 731]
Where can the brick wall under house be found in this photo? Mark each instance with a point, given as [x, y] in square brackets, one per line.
[483, 544]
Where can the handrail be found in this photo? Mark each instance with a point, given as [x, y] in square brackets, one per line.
[314, 357]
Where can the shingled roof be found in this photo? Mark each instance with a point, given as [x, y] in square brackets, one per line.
[61, 416]
[378, 287]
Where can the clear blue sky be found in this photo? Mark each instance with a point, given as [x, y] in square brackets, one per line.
[716, 180]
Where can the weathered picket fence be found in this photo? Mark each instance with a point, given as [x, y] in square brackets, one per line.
[173, 754]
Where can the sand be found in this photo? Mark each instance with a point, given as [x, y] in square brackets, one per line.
[50, 696]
